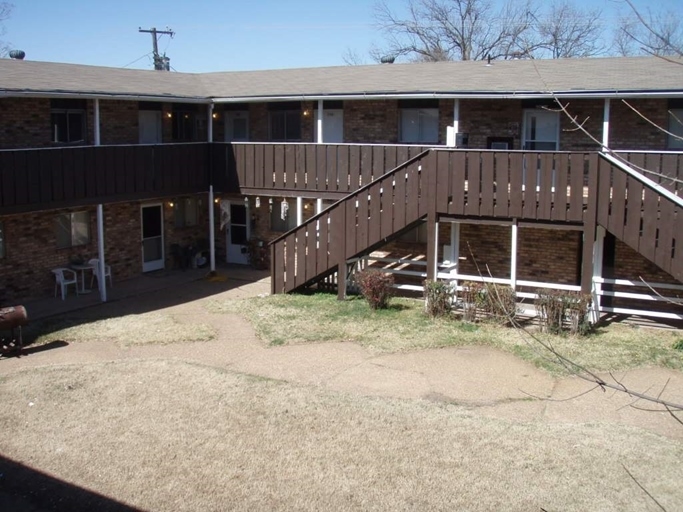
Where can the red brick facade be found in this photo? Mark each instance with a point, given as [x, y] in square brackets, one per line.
[544, 254]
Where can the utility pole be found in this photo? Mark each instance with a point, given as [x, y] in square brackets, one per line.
[161, 62]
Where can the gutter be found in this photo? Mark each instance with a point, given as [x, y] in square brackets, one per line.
[446, 95]
[103, 96]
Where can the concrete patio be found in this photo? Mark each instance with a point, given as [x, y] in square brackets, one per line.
[48, 306]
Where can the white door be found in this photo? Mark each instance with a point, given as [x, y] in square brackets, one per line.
[541, 130]
[333, 126]
[237, 233]
[152, 216]
[236, 126]
[149, 123]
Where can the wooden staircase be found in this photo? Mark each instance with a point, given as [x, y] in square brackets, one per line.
[586, 189]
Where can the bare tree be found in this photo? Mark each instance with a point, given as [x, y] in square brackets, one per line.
[435, 30]
[650, 33]
[5, 12]
[566, 31]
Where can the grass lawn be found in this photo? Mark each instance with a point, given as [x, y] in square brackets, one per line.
[291, 319]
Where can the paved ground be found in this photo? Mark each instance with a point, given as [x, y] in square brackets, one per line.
[484, 380]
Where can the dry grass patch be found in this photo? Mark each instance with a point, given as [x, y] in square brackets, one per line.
[127, 330]
[290, 319]
[173, 436]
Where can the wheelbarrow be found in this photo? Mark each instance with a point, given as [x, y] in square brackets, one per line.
[12, 318]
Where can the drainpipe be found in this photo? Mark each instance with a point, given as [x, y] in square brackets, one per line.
[102, 281]
[212, 240]
[209, 125]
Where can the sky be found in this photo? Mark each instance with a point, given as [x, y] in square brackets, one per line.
[210, 35]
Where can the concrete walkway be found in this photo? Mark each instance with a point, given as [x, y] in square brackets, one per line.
[482, 380]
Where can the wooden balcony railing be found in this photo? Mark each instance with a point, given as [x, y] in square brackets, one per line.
[40, 179]
[324, 170]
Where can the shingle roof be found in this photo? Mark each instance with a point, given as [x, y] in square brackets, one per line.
[623, 76]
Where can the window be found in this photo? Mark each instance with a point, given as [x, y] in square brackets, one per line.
[676, 128]
[72, 229]
[189, 125]
[419, 125]
[186, 212]
[419, 121]
[285, 126]
[2, 241]
[285, 121]
[67, 118]
[276, 222]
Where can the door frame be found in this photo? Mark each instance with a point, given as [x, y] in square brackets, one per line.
[156, 264]
[247, 208]
[529, 111]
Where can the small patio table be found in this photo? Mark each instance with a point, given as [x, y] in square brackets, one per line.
[82, 268]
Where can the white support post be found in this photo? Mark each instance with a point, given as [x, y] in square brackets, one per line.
[102, 281]
[513, 255]
[451, 131]
[319, 122]
[455, 254]
[318, 205]
[435, 263]
[209, 125]
[212, 234]
[598, 251]
[299, 211]
[97, 122]
[605, 124]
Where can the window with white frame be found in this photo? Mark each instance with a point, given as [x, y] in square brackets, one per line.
[186, 212]
[72, 229]
[675, 128]
[67, 118]
[419, 121]
[2, 240]
[283, 215]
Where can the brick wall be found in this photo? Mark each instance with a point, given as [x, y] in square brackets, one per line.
[371, 121]
[491, 118]
[628, 130]
[34, 234]
[118, 122]
[589, 114]
[25, 123]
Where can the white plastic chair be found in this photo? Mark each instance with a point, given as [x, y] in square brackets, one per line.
[95, 264]
[63, 278]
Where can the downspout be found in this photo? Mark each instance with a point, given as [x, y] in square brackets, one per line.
[212, 228]
[101, 281]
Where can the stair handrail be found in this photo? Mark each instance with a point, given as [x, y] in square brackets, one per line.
[358, 191]
[643, 179]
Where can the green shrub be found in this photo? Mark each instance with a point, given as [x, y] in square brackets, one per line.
[438, 297]
[678, 344]
[375, 286]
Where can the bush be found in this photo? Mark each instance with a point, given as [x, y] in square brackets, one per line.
[376, 287]
[499, 302]
[555, 307]
[678, 344]
[472, 299]
[439, 298]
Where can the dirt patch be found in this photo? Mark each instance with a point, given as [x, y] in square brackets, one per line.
[163, 435]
